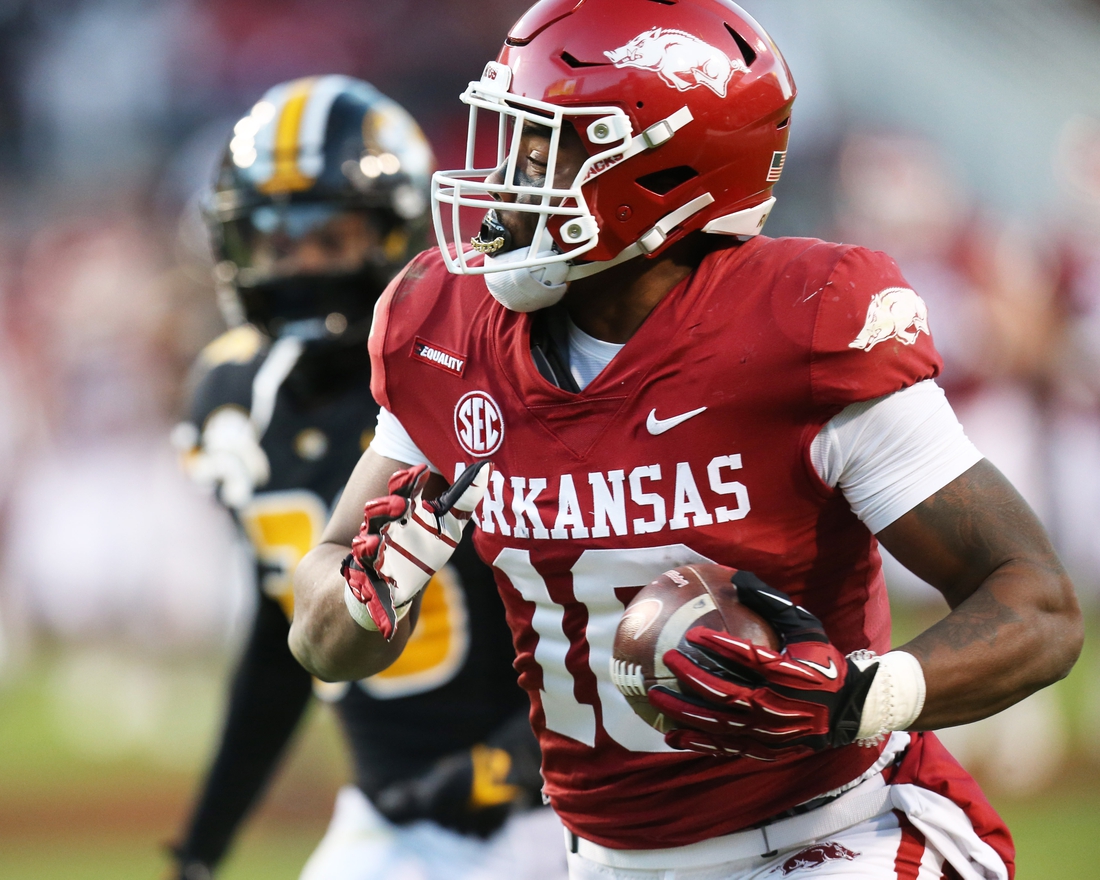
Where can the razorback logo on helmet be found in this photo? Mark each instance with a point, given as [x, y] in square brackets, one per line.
[680, 59]
[894, 313]
[479, 424]
[816, 855]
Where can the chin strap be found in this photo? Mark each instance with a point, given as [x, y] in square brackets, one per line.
[657, 133]
[648, 243]
[746, 223]
[519, 288]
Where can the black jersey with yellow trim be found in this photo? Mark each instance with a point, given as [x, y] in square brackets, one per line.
[323, 417]
[454, 684]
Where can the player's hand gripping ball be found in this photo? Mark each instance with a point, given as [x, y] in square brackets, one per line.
[657, 621]
[403, 541]
[739, 697]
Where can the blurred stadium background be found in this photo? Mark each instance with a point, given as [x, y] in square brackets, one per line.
[961, 136]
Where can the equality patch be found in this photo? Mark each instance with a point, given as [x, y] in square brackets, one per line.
[438, 356]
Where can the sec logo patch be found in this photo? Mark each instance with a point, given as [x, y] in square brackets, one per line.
[479, 424]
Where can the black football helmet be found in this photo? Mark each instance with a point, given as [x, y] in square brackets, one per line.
[321, 197]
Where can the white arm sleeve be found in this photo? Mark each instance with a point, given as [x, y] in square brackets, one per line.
[888, 454]
[393, 441]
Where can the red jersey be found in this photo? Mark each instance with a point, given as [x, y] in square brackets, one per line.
[692, 445]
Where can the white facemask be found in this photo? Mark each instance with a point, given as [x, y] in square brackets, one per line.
[527, 289]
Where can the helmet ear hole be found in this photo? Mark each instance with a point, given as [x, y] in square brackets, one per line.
[663, 182]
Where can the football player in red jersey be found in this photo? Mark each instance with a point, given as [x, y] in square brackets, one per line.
[655, 383]
[322, 196]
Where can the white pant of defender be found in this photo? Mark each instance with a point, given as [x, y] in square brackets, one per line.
[360, 844]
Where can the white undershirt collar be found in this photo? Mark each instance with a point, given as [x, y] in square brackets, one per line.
[588, 355]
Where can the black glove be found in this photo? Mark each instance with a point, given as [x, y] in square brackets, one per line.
[474, 791]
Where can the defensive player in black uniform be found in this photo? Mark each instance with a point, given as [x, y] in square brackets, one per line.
[321, 197]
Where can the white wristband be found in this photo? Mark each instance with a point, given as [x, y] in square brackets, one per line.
[895, 699]
[361, 614]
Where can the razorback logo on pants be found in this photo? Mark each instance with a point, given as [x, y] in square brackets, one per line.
[815, 855]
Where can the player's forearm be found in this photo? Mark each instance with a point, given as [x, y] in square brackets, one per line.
[323, 636]
[1020, 631]
[1015, 625]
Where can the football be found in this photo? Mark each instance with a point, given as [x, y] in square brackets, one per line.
[657, 619]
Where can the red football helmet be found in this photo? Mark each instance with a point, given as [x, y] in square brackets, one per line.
[682, 105]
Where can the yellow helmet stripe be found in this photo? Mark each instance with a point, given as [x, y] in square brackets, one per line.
[287, 176]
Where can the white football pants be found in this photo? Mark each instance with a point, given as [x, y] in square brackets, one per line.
[915, 835]
[873, 850]
[361, 844]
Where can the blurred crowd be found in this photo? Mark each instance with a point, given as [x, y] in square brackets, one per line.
[112, 114]
[1014, 304]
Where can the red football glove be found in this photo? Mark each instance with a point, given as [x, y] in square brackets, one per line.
[742, 699]
[403, 541]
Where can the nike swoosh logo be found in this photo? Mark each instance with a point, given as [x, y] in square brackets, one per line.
[829, 671]
[657, 426]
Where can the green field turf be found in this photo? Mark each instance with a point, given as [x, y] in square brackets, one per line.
[1057, 837]
[99, 754]
[273, 854]
[87, 794]
[1057, 834]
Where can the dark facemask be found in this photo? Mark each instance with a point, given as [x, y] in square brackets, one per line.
[322, 307]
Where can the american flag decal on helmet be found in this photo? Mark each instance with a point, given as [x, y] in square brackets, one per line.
[778, 158]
